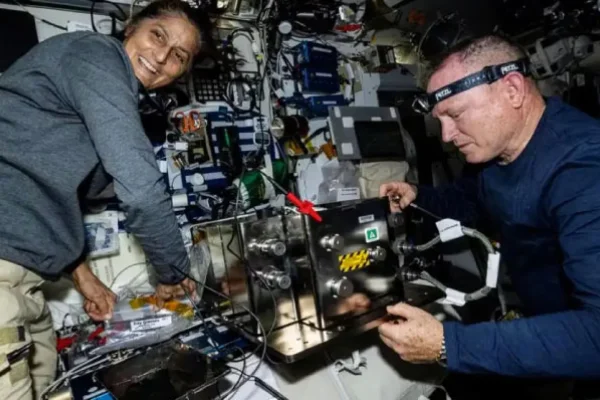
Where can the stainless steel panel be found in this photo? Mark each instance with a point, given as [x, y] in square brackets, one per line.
[309, 281]
[297, 341]
[262, 243]
[375, 284]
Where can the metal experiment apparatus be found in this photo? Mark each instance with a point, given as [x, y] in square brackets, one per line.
[308, 282]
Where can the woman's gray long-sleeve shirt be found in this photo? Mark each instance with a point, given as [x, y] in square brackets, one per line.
[69, 110]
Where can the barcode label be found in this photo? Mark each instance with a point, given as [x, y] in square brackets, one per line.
[151, 323]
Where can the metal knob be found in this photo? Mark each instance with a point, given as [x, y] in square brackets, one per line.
[332, 242]
[378, 254]
[341, 287]
[273, 247]
[276, 279]
[402, 247]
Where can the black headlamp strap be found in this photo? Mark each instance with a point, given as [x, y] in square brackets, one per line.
[487, 75]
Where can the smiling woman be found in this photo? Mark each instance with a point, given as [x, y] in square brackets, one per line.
[162, 41]
[72, 105]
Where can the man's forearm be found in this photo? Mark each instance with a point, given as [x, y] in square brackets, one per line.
[565, 345]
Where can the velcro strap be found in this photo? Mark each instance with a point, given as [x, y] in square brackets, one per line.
[19, 371]
[18, 354]
[11, 335]
[4, 364]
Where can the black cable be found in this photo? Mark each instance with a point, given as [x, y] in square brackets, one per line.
[316, 133]
[248, 266]
[229, 97]
[64, 28]
[257, 276]
[260, 14]
[424, 211]
[260, 383]
[244, 261]
[204, 325]
[273, 182]
[265, 334]
[292, 70]
[235, 386]
[117, 6]
[112, 15]
[173, 180]
[245, 32]
[92, 16]
[206, 287]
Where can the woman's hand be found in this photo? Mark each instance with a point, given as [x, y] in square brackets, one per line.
[99, 300]
[166, 292]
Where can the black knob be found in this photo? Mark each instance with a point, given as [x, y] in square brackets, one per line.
[396, 220]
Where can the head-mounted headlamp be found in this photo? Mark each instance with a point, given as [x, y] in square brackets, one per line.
[424, 103]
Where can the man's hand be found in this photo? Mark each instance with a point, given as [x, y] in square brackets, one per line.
[99, 300]
[357, 302]
[406, 192]
[416, 336]
[166, 292]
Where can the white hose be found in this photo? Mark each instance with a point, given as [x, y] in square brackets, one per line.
[477, 294]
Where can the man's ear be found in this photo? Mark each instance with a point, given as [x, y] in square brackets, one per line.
[516, 86]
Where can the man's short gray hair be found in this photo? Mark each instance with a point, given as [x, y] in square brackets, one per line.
[480, 51]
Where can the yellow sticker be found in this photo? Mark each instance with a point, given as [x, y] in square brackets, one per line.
[354, 261]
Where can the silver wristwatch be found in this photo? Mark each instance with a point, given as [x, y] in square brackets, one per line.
[441, 358]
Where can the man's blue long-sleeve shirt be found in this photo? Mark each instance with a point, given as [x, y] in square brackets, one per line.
[547, 206]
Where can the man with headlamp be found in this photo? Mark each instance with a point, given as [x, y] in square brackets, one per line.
[540, 185]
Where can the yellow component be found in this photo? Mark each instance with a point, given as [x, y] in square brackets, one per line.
[175, 306]
[354, 261]
[137, 302]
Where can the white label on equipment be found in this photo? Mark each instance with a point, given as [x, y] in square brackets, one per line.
[322, 50]
[449, 229]
[366, 218]
[329, 102]
[323, 74]
[348, 122]
[491, 275]
[347, 194]
[347, 91]
[74, 26]
[349, 72]
[455, 297]
[376, 119]
[393, 112]
[100, 237]
[152, 323]
[347, 148]
[162, 166]
[371, 235]
[181, 146]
